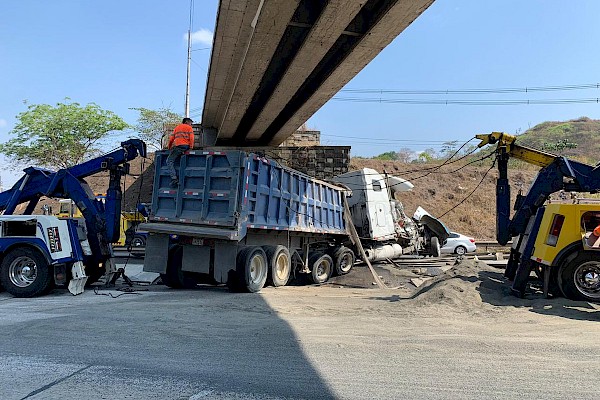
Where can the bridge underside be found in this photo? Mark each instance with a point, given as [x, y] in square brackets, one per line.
[275, 63]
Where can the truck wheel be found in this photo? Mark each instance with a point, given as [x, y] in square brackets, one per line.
[344, 260]
[174, 277]
[435, 246]
[280, 265]
[138, 241]
[579, 279]
[321, 267]
[251, 270]
[24, 272]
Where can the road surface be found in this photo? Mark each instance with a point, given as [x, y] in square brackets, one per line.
[460, 339]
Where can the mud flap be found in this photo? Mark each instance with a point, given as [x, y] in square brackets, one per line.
[110, 269]
[78, 278]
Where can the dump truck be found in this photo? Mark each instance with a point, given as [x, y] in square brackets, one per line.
[554, 238]
[243, 219]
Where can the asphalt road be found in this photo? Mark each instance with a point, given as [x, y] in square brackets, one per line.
[293, 342]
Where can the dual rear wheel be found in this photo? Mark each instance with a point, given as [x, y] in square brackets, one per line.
[255, 266]
[275, 262]
[579, 278]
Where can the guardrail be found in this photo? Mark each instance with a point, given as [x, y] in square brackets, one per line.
[490, 244]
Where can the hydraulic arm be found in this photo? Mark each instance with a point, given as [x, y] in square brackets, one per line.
[102, 219]
[557, 173]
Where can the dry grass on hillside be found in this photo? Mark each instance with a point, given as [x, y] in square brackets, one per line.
[439, 192]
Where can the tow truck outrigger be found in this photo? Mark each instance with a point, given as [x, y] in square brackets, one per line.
[548, 237]
[37, 251]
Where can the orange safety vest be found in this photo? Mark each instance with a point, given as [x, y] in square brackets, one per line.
[183, 135]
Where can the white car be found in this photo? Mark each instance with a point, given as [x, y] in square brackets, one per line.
[459, 244]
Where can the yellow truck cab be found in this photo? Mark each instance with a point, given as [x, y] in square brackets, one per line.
[565, 241]
[129, 220]
[556, 239]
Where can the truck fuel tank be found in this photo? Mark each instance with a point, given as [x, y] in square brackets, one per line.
[383, 252]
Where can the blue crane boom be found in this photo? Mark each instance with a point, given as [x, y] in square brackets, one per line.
[102, 219]
[556, 173]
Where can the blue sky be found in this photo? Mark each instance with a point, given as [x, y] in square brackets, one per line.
[122, 54]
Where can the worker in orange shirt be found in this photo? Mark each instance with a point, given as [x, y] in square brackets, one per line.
[592, 240]
[180, 141]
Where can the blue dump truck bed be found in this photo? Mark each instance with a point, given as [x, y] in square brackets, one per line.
[225, 193]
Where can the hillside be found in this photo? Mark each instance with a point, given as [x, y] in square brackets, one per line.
[552, 135]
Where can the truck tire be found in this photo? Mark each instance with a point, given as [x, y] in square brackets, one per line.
[138, 241]
[174, 277]
[344, 259]
[251, 270]
[321, 267]
[434, 245]
[280, 265]
[579, 279]
[25, 272]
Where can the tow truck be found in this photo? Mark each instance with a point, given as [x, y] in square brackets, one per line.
[551, 238]
[38, 251]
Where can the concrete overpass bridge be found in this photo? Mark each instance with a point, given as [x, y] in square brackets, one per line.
[274, 63]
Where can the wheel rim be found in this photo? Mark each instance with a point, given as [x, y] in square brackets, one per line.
[346, 262]
[282, 266]
[460, 250]
[587, 279]
[258, 267]
[323, 269]
[22, 272]
[137, 242]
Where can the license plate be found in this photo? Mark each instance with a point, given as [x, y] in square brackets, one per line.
[197, 241]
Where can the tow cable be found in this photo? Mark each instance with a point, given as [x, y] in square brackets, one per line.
[129, 289]
[356, 240]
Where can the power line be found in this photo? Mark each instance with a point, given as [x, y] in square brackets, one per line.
[468, 102]
[586, 86]
[388, 140]
[473, 191]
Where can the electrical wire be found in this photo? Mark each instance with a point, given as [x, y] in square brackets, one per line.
[388, 140]
[447, 162]
[480, 91]
[473, 191]
[468, 102]
[429, 170]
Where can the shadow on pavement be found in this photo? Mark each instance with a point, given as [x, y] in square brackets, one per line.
[495, 290]
[232, 343]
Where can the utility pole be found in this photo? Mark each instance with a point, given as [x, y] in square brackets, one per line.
[189, 61]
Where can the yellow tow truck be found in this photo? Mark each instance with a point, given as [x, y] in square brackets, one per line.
[129, 222]
[555, 238]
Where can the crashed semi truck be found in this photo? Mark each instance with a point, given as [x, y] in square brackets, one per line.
[243, 219]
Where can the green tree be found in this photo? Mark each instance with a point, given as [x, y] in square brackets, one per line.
[559, 146]
[448, 148]
[427, 155]
[389, 156]
[59, 136]
[154, 124]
